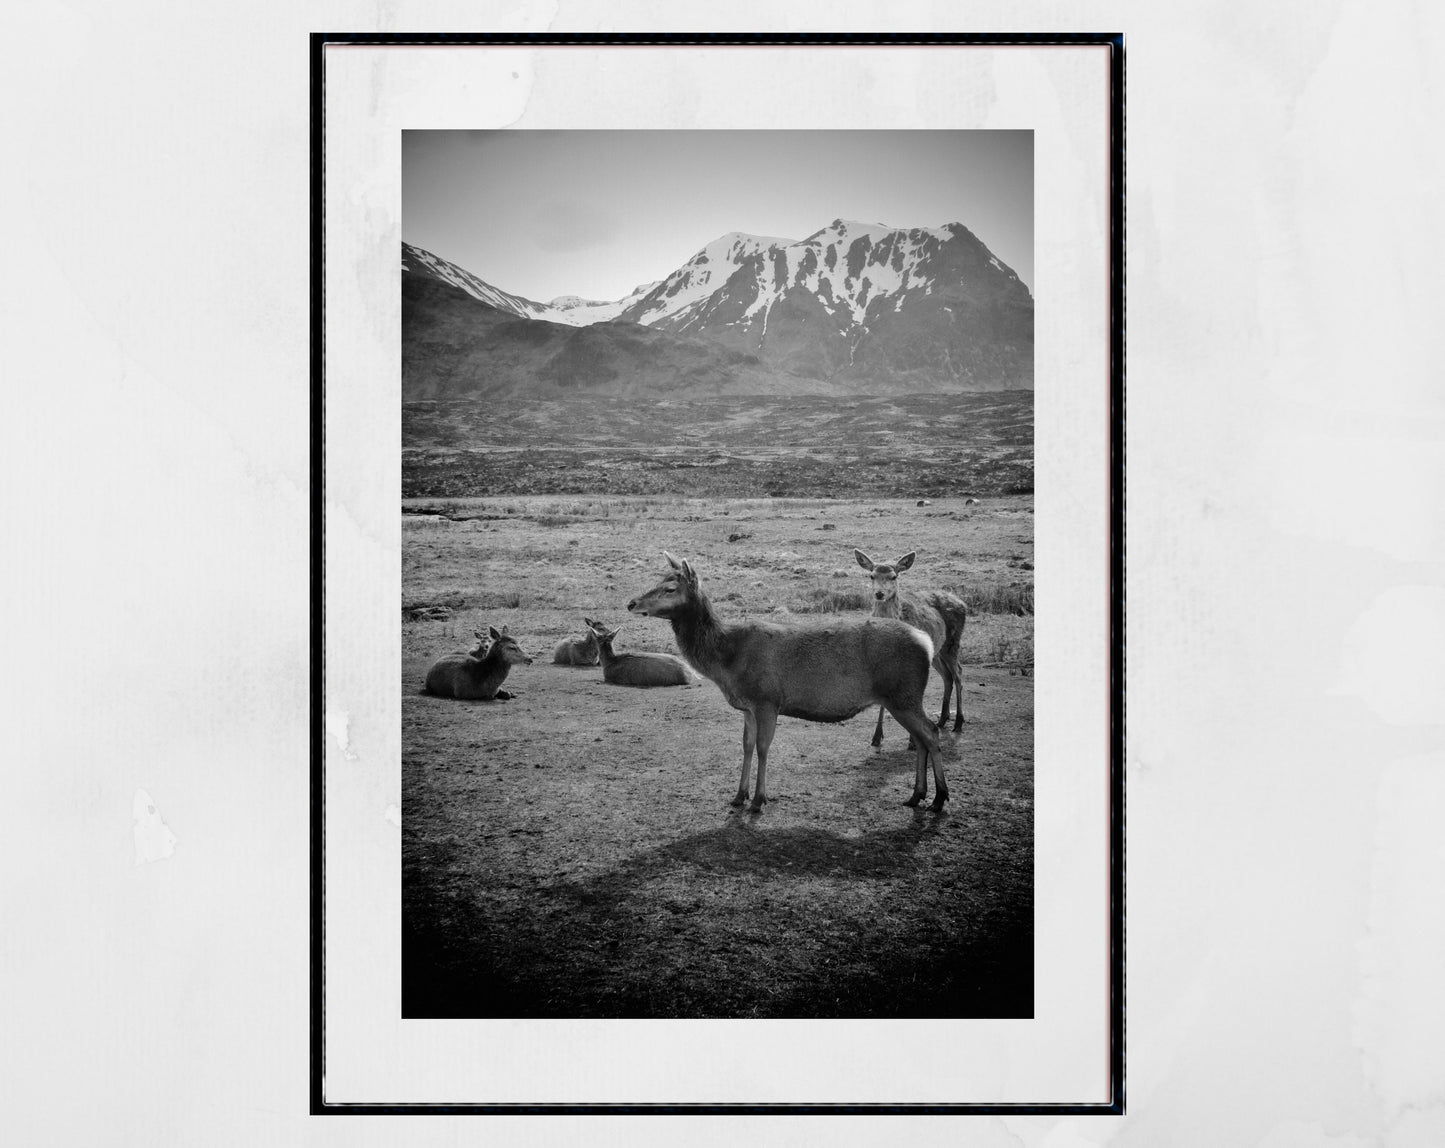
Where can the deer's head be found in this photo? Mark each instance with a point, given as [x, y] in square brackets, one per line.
[884, 575]
[507, 649]
[670, 597]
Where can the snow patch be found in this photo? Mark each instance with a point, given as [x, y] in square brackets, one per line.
[575, 312]
[879, 277]
[706, 272]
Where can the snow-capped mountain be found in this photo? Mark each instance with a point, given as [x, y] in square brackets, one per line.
[583, 312]
[419, 262]
[853, 308]
[700, 278]
[857, 299]
[568, 309]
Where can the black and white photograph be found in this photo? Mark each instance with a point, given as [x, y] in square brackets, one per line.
[711, 442]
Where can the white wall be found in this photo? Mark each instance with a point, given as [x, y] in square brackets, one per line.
[1286, 771]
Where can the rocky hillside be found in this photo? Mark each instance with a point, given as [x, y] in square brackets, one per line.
[455, 346]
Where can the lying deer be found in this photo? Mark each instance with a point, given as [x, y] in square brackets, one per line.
[825, 671]
[579, 651]
[940, 615]
[645, 670]
[473, 678]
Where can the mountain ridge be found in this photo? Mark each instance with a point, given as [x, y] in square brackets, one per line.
[454, 346]
[853, 306]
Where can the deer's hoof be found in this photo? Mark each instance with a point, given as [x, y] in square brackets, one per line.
[739, 800]
[914, 800]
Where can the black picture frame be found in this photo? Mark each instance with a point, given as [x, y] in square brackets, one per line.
[1114, 43]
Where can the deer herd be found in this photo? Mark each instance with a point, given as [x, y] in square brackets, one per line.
[826, 670]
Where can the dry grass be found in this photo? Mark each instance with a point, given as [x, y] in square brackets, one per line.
[572, 852]
[545, 561]
[918, 446]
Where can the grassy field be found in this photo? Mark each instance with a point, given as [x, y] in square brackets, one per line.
[573, 853]
[919, 446]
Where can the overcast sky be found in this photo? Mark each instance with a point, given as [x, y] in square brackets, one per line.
[596, 213]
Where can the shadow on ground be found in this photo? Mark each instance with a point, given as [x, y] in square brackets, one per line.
[682, 930]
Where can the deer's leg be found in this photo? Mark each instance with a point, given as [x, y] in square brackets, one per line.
[940, 786]
[878, 732]
[917, 724]
[750, 738]
[958, 673]
[767, 723]
[947, 673]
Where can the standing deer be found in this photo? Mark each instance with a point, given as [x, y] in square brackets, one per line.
[643, 670]
[470, 678]
[825, 671]
[579, 651]
[940, 615]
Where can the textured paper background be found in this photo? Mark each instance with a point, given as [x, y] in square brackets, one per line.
[1287, 575]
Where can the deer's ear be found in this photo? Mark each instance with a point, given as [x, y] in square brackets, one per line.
[689, 573]
[905, 562]
[673, 562]
[495, 633]
[478, 634]
[863, 560]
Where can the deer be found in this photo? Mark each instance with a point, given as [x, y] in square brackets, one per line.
[821, 670]
[472, 678]
[579, 651]
[480, 649]
[940, 615]
[642, 670]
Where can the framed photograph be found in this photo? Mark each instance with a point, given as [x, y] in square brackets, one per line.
[720, 703]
